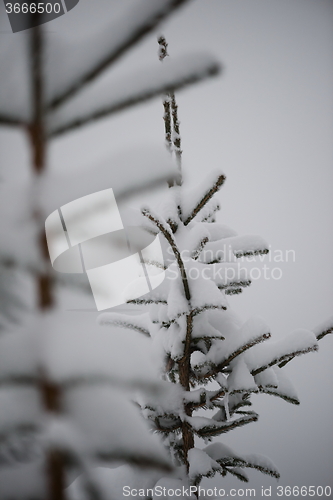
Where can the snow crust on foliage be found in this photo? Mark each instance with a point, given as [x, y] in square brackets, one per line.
[221, 453]
[223, 274]
[112, 481]
[168, 206]
[201, 464]
[218, 231]
[172, 340]
[271, 352]
[240, 378]
[285, 388]
[235, 245]
[69, 354]
[267, 378]
[169, 402]
[218, 451]
[203, 328]
[227, 322]
[198, 359]
[189, 238]
[261, 461]
[204, 292]
[250, 330]
[93, 408]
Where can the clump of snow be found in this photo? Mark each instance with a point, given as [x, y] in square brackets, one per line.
[201, 464]
[240, 379]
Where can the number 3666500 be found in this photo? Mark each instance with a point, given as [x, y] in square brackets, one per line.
[32, 8]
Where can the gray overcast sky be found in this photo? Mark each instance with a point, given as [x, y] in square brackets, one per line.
[267, 122]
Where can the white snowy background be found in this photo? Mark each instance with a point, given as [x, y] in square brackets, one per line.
[267, 122]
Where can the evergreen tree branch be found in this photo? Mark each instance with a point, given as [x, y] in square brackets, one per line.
[148, 91]
[147, 24]
[324, 333]
[183, 364]
[193, 313]
[163, 52]
[209, 214]
[50, 392]
[123, 321]
[285, 358]
[143, 302]
[141, 461]
[197, 251]
[11, 121]
[167, 429]
[170, 239]
[218, 183]
[218, 368]
[324, 328]
[275, 392]
[237, 473]
[176, 133]
[216, 430]
[248, 463]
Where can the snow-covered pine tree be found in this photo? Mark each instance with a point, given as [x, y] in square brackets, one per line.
[57, 396]
[213, 360]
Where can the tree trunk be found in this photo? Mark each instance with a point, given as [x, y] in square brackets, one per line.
[51, 394]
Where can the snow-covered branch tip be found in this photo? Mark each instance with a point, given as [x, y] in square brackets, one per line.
[197, 251]
[214, 189]
[125, 321]
[320, 332]
[324, 328]
[274, 392]
[284, 359]
[251, 464]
